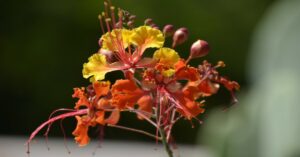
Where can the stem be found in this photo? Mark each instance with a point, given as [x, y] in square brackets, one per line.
[165, 142]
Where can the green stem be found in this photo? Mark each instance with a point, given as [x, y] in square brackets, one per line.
[165, 142]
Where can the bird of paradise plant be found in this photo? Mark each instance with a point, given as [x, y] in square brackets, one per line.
[160, 90]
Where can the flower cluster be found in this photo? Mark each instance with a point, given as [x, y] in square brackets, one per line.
[160, 89]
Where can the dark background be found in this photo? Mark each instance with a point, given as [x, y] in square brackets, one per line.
[43, 44]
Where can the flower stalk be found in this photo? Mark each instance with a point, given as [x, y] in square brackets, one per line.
[165, 142]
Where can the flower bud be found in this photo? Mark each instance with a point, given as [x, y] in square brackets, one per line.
[180, 36]
[130, 24]
[168, 30]
[132, 17]
[154, 26]
[199, 48]
[148, 21]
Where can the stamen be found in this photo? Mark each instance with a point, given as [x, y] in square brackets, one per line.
[101, 23]
[112, 12]
[107, 21]
[62, 116]
[120, 14]
[106, 8]
[64, 134]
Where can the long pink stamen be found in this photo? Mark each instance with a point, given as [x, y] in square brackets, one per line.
[59, 117]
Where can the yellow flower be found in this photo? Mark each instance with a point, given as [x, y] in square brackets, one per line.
[116, 39]
[146, 37]
[166, 56]
[96, 67]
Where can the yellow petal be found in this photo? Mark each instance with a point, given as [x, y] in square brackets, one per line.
[96, 67]
[146, 37]
[116, 39]
[166, 56]
[168, 73]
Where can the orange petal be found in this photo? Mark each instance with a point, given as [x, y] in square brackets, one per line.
[189, 107]
[184, 72]
[83, 101]
[100, 117]
[125, 93]
[208, 88]
[101, 88]
[113, 118]
[81, 131]
[145, 105]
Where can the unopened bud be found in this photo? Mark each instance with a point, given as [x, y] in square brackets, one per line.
[168, 30]
[180, 36]
[199, 48]
[148, 21]
[154, 26]
[132, 17]
[109, 55]
[130, 24]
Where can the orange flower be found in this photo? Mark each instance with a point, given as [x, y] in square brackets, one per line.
[184, 72]
[125, 93]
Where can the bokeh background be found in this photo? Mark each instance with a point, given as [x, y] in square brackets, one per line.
[43, 44]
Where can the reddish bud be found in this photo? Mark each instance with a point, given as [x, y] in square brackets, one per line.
[154, 26]
[130, 24]
[132, 17]
[168, 30]
[199, 48]
[148, 21]
[180, 36]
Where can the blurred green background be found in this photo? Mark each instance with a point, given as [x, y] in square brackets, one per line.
[43, 44]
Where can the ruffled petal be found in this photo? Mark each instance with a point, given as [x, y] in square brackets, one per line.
[184, 72]
[81, 131]
[101, 88]
[145, 104]
[83, 101]
[166, 56]
[113, 118]
[189, 108]
[125, 93]
[96, 68]
[146, 37]
[116, 39]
